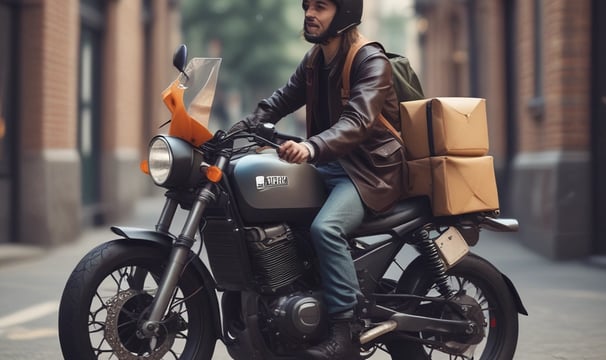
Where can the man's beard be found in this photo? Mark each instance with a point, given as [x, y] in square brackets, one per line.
[321, 39]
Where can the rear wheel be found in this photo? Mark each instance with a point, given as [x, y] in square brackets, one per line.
[477, 284]
[108, 296]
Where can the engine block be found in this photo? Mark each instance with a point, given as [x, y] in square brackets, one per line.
[274, 257]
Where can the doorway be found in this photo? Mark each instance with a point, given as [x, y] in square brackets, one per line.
[598, 124]
[88, 134]
[8, 91]
[89, 108]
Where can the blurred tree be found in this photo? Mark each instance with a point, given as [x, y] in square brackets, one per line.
[251, 36]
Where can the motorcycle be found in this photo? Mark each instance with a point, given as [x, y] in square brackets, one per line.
[150, 295]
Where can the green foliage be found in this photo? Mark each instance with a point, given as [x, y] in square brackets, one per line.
[250, 35]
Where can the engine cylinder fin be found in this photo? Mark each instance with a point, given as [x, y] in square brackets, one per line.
[274, 257]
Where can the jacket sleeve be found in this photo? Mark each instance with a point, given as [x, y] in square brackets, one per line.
[282, 102]
[371, 81]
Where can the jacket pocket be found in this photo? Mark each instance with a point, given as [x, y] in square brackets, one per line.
[386, 154]
[389, 165]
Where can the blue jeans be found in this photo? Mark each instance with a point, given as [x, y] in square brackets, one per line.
[341, 214]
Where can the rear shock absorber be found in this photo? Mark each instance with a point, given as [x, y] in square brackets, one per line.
[428, 249]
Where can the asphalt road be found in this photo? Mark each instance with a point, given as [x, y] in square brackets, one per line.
[566, 300]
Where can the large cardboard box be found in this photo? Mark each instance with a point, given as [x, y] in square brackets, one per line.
[444, 126]
[455, 185]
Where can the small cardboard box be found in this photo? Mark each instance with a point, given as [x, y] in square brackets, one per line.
[455, 185]
[444, 126]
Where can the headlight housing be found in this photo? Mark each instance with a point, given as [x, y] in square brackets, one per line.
[174, 163]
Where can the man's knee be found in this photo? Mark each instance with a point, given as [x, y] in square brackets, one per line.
[317, 230]
[321, 230]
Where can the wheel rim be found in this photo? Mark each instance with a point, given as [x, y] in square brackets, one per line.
[482, 282]
[467, 288]
[118, 305]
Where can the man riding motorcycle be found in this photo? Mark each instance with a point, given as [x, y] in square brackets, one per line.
[359, 159]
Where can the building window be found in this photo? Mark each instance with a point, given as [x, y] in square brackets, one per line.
[93, 5]
[92, 17]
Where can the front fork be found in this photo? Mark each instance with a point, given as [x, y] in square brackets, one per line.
[179, 255]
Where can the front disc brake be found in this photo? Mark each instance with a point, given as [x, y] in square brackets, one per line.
[123, 316]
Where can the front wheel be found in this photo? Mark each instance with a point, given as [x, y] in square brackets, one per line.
[108, 296]
[478, 282]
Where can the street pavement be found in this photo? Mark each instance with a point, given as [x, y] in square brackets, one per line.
[566, 300]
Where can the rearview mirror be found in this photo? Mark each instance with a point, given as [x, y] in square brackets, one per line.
[180, 58]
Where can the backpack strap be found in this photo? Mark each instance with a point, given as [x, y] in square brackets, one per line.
[345, 90]
[351, 54]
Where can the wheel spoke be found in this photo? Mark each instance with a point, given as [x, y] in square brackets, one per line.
[174, 354]
[118, 299]
[467, 289]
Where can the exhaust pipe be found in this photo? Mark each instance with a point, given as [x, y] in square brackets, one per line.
[381, 329]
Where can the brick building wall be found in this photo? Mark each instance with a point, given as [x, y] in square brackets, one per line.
[563, 122]
[122, 109]
[490, 61]
[531, 60]
[49, 172]
[48, 58]
[456, 63]
[131, 78]
[552, 179]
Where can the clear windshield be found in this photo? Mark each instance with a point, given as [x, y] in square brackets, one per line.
[189, 99]
[200, 82]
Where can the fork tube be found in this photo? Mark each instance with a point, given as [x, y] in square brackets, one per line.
[167, 286]
[178, 258]
[166, 217]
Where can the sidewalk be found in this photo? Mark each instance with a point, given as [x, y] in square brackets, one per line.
[14, 253]
[145, 214]
[565, 300]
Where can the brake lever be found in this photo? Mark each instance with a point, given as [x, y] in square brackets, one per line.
[294, 138]
[265, 141]
[268, 130]
[252, 137]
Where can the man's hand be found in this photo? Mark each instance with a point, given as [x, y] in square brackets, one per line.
[293, 152]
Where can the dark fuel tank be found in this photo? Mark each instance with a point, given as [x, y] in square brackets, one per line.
[269, 190]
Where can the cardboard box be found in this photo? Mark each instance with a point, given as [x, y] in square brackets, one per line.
[455, 185]
[447, 125]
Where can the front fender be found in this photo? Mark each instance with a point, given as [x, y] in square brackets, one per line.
[143, 234]
[166, 240]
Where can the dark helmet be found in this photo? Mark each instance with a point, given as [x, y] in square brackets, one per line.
[348, 15]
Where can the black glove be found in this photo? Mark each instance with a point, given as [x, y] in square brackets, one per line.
[240, 125]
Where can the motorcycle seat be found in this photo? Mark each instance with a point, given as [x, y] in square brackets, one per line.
[405, 215]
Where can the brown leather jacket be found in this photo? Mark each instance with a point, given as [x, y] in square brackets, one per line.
[369, 153]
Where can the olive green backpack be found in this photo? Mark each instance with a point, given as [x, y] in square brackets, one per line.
[405, 81]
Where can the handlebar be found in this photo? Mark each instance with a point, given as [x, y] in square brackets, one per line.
[268, 131]
[287, 137]
[263, 134]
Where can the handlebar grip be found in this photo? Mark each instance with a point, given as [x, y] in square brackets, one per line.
[282, 136]
[268, 131]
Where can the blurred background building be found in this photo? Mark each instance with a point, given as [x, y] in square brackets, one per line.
[540, 65]
[80, 83]
[79, 94]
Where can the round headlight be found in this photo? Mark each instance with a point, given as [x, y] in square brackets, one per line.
[160, 160]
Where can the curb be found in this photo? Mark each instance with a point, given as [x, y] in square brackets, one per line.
[15, 253]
